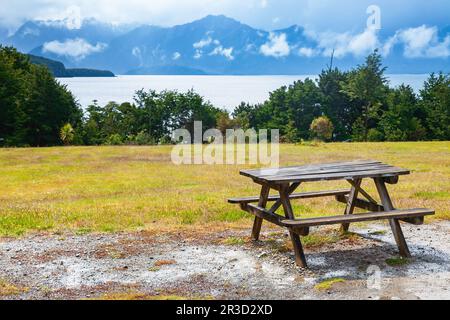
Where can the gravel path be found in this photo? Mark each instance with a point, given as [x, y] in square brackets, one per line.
[90, 266]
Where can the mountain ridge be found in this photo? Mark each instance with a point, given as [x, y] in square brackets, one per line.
[59, 70]
[215, 44]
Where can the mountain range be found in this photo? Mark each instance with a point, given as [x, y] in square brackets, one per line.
[221, 45]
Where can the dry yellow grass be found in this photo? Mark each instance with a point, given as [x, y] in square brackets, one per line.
[105, 189]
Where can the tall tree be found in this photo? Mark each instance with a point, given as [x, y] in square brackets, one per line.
[435, 100]
[367, 86]
[33, 105]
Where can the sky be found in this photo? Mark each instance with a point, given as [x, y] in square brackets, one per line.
[316, 15]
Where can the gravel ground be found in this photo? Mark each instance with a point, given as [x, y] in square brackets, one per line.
[90, 266]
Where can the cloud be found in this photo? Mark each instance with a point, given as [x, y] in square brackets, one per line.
[321, 15]
[420, 42]
[176, 56]
[75, 48]
[277, 46]
[344, 44]
[198, 54]
[136, 51]
[203, 43]
[30, 31]
[226, 52]
[307, 52]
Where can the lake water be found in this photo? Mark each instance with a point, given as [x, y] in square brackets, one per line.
[223, 91]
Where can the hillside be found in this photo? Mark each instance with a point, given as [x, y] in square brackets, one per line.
[59, 70]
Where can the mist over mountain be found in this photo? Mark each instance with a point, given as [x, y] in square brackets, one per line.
[221, 45]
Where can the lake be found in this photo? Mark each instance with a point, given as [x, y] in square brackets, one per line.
[223, 91]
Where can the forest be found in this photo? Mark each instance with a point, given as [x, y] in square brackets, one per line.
[354, 105]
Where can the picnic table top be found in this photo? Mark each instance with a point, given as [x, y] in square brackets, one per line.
[358, 169]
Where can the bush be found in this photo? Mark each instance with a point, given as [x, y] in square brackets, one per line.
[114, 140]
[322, 128]
[143, 139]
[67, 134]
[374, 135]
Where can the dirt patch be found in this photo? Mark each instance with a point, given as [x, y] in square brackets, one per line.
[211, 266]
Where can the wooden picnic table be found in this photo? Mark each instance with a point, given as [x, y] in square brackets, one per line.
[287, 180]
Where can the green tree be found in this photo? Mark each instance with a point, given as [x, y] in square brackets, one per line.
[33, 105]
[435, 101]
[367, 87]
[337, 105]
[402, 121]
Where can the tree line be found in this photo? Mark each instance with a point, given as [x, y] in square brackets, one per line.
[355, 105]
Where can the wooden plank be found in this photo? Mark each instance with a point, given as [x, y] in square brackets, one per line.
[366, 205]
[278, 202]
[361, 204]
[340, 176]
[264, 214]
[363, 192]
[371, 216]
[257, 224]
[303, 195]
[350, 208]
[395, 224]
[284, 172]
[256, 172]
[296, 242]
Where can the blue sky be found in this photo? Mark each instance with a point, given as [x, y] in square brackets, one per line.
[318, 15]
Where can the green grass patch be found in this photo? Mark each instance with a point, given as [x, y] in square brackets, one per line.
[378, 233]
[397, 262]
[234, 241]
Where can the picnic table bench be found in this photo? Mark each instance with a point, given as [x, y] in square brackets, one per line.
[287, 180]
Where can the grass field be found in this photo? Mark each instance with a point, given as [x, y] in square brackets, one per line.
[105, 189]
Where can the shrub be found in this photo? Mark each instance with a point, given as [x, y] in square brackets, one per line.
[67, 134]
[322, 128]
[143, 138]
[374, 135]
[114, 140]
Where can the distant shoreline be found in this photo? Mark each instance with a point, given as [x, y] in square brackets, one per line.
[225, 91]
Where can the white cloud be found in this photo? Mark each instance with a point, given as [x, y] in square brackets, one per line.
[277, 46]
[203, 43]
[441, 50]
[198, 54]
[420, 42]
[345, 43]
[71, 18]
[30, 31]
[264, 3]
[75, 48]
[138, 54]
[176, 56]
[226, 52]
[417, 40]
[364, 43]
[307, 52]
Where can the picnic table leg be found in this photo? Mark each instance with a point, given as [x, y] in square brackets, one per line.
[395, 224]
[351, 203]
[295, 238]
[265, 190]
